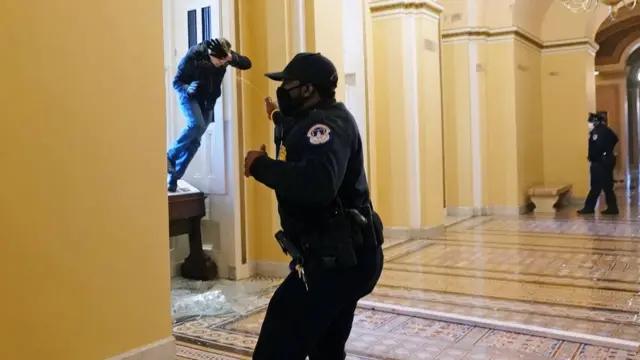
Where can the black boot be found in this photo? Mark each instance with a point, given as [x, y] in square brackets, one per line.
[610, 211]
[585, 211]
[172, 184]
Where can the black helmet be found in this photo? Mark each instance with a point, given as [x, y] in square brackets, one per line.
[219, 48]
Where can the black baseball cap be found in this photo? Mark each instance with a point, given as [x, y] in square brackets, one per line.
[309, 68]
[595, 117]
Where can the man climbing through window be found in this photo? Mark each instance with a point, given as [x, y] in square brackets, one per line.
[198, 82]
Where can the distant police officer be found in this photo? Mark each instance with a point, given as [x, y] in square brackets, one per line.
[601, 143]
[329, 227]
[198, 82]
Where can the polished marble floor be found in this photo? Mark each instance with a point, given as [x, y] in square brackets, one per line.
[564, 284]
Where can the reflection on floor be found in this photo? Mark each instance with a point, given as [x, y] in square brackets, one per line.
[488, 288]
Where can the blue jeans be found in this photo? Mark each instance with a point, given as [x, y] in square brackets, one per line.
[186, 145]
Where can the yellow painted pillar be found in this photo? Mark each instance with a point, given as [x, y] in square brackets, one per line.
[324, 34]
[457, 68]
[568, 95]
[500, 132]
[83, 218]
[264, 37]
[407, 168]
[464, 44]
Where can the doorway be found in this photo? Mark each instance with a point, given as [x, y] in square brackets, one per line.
[191, 22]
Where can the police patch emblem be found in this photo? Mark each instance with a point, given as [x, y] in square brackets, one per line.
[319, 134]
[595, 137]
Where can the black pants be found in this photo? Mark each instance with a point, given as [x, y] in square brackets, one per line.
[601, 180]
[317, 322]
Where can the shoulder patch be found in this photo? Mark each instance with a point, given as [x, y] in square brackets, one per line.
[319, 134]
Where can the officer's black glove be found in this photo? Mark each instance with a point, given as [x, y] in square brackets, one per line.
[193, 88]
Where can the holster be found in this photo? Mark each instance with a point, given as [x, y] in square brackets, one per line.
[336, 243]
[288, 247]
[372, 232]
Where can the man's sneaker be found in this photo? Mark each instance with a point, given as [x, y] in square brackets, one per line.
[172, 185]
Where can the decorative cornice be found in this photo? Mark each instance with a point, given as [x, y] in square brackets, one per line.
[385, 6]
[618, 74]
[518, 34]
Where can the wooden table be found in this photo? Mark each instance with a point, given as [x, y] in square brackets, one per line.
[186, 210]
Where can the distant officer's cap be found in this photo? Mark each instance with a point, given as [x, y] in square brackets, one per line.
[595, 117]
[309, 68]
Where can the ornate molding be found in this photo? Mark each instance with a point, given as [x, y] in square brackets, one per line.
[390, 6]
[520, 35]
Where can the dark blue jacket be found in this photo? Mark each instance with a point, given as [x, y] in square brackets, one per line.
[196, 66]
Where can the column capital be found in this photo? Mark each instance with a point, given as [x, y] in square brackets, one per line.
[388, 7]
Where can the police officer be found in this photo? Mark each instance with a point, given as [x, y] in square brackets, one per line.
[198, 83]
[329, 228]
[601, 143]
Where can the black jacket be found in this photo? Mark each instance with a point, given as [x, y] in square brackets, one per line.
[196, 66]
[324, 160]
[602, 140]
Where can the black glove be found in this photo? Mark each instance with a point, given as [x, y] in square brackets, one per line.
[219, 48]
[193, 87]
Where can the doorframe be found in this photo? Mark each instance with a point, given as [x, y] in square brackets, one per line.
[233, 252]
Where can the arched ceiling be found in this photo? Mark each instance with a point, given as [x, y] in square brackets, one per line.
[547, 20]
[614, 36]
[634, 57]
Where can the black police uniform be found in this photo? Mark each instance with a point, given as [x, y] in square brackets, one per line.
[320, 183]
[602, 140]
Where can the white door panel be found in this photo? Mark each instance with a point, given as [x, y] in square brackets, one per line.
[354, 65]
[192, 22]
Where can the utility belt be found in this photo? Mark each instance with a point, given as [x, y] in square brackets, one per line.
[337, 243]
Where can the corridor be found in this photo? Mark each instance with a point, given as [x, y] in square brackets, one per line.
[487, 288]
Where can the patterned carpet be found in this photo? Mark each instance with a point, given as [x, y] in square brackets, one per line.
[557, 274]
[385, 336]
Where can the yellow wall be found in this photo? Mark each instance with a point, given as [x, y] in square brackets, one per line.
[263, 38]
[407, 166]
[501, 155]
[431, 124]
[264, 29]
[326, 34]
[458, 154]
[528, 118]
[83, 208]
[535, 113]
[391, 191]
[566, 78]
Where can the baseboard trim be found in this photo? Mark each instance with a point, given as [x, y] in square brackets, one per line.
[488, 210]
[164, 349]
[269, 268]
[466, 211]
[508, 210]
[503, 325]
[410, 234]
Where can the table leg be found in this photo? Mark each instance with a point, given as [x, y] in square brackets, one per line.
[198, 265]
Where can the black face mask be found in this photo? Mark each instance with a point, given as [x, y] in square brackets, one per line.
[288, 104]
